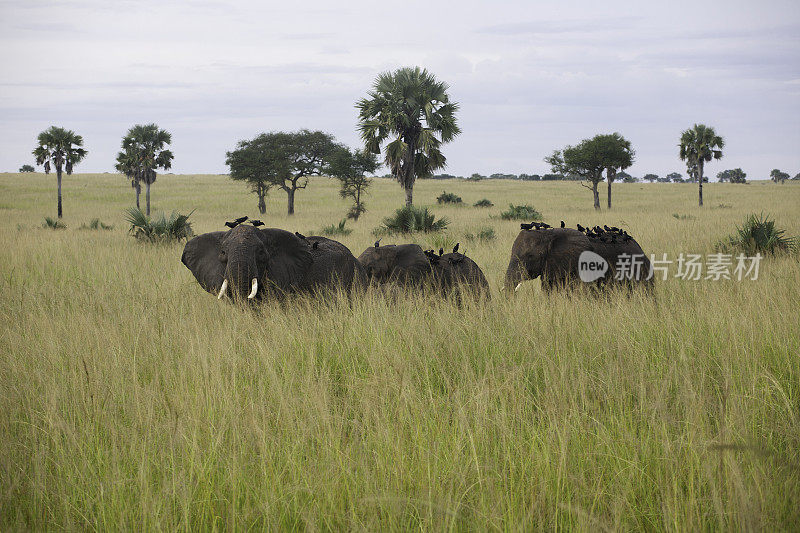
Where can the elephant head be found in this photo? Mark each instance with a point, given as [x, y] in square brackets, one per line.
[550, 253]
[402, 263]
[247, 262]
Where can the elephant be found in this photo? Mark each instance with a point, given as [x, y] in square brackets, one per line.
[554, 255]
[409, 266]
[453, 271]
[247, 263]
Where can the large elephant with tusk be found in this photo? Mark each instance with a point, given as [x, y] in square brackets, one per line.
[250, 263]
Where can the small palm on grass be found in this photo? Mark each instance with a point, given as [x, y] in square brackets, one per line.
[53, 223]
[159, 228]
[758, 234]
[411, 219]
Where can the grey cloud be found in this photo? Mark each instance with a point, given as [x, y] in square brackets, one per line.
[549, 27]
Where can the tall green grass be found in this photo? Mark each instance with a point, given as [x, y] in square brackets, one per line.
[132, 399]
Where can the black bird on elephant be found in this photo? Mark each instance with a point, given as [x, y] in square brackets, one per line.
[563, 225]
[606, 228]
[581, 228]
[455, 248]
[441, 251]
[545, 225]
[240, 220]
[256, 223]
[378, 243]
[232, 224]
[300, 235]
[525, 226]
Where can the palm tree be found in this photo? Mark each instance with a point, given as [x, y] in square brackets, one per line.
[126, 164]
[59, 148]
[144, 153]
[698, 146]
[412, 108]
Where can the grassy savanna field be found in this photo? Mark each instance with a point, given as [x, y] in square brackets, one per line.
[132, 399]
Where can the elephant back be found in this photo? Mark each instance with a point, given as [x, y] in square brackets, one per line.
[333, 264]
[455, 271]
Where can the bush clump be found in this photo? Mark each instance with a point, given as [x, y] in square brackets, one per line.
[411, 219]
[521, 212]
[484, 203]
[159, 228]
[483, 234]
[758, 234]
[96, 224]
[337, 229]
[449, 198]
[53, 223]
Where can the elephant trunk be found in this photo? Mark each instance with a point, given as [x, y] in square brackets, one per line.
[242, 278]
[515, 274]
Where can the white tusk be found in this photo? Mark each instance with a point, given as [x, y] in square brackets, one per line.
[223, 289]
[518, 286]
[254, 290]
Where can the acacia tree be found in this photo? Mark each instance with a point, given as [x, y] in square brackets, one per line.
[351, 169]
[144, 153]
[699, 145]
[27, 168]
[410, 107]
[285, 160]
[674, 177]
[735, 175]
[586, 160]
[778, 176]
[617, 154]
[60, 148]
[650, 177]
[255, 163]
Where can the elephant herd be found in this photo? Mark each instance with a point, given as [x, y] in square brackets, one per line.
[251, 263]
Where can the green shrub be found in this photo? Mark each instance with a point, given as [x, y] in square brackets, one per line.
[484, 234]
[411, 219]
[336, 229]
[484, 203]
[448, 198]
[758, 234]
[96, 224]
[444, 241]
[356, 211]
[159, 228]
[521, 212]
[53, 223]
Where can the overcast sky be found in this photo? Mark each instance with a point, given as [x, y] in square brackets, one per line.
[530, 76]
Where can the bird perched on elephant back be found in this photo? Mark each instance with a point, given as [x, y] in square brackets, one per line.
[557, 255]
[247, 262]
[407, 265]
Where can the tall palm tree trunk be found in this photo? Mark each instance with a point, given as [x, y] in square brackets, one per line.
[147, 197]
[409, 195]
[58, 178]
[138, 189]
[700, 180]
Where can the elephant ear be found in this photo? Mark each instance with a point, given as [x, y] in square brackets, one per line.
[289, 258]
[564, 249]
[201, 256]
